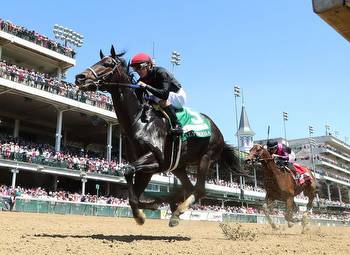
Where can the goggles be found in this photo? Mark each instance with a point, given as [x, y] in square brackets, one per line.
[140, 66]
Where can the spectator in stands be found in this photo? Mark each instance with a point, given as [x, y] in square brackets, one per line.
[53, 85]
[30, 35]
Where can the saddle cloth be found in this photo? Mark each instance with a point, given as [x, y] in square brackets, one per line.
[193, 124]
[303, 173]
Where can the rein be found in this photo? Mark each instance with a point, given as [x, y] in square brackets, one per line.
[129, 85]
[258, 159]
[265, 159]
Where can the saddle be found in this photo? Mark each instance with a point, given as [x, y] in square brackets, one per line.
[299, 173]
[285, 166]
[192, 122]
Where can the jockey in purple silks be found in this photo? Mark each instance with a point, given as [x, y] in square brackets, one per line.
[284, 155]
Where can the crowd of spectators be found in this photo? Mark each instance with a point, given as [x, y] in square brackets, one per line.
[50, 84]
[34, 37]
[228, 209]
[235, 185]
[31, 152]
[40, 193]
[317, 156]
[327, 146]
[333, 162]
[336, 176]
[91, 162]
[21, 150]
[328, 202]
[275, 211]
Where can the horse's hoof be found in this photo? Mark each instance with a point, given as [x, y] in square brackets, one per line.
[305, 230]
[274, 226]
[140, 218]
[140, 221]
[174, 221]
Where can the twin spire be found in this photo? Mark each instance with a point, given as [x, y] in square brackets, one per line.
[245, 133]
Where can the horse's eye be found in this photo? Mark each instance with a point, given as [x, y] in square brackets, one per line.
[108, 63]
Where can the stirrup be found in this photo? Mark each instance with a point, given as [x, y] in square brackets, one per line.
[176, 131]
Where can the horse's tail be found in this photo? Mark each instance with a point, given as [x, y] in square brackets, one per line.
[317, 185]
[229, 160]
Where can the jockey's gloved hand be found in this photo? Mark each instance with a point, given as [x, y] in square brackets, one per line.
[142, 84]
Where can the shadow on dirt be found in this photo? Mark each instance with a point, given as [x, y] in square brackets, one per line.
[120, 238]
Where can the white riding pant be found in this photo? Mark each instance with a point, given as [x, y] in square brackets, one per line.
[292, 157]
[178, 100]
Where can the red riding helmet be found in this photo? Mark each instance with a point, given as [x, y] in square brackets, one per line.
[140, 58]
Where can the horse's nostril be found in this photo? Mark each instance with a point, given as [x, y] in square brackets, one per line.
[79, 78]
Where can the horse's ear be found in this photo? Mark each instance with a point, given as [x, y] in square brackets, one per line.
[101, 54]
[113, 52]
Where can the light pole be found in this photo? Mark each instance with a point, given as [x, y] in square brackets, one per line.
[336, 133]
[153, 56]
[175, 59]
[311, 130]
[237, 93]
[68, 35]
[328, 128]
[312, 143]
[285, 118]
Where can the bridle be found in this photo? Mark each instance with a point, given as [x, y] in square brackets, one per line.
[257, 158]
[101, 79]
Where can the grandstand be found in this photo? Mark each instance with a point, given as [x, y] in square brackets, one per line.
[330, 158]
[336, 13]
[60, 139]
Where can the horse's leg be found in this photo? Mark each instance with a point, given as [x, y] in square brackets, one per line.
[187, 189]
[199, 190]
[133, 199]
[202, 172]
[141, 181]
[309, 191]
[289, 213]
[147, 164]
[267, 207]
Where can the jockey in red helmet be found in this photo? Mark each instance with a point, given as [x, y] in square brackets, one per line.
[165, 89]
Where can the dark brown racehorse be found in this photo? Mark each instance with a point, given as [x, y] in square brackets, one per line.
[280, 185]
[148, 141]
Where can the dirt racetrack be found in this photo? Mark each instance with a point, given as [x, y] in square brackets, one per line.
[38, 234]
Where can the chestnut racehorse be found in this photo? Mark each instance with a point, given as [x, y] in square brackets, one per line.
[280, 185]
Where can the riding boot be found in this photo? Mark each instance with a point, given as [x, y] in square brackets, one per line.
[176, 128]
[296, 173]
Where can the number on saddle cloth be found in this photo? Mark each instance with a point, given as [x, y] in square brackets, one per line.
[193, 123]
